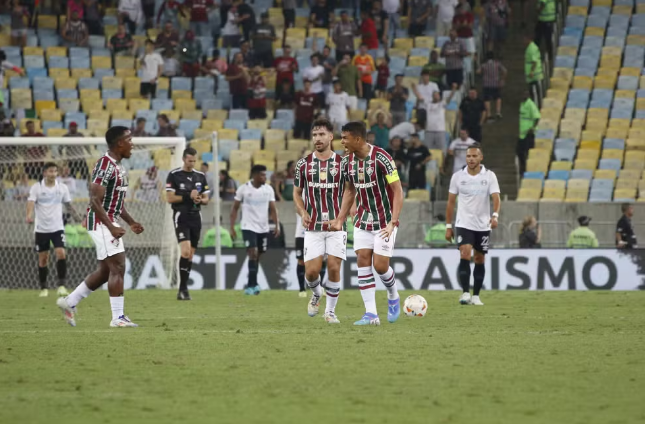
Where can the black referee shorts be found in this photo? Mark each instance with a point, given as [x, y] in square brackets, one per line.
[45, 240]
[479, 240]
[300, 248]
[188, 226]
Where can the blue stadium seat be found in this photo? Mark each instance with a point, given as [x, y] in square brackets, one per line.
[209, 104]
[565, 143]
[100, 73]
[238, 115]
[613, 143]
[280, 124]
[587, 62]
[89, 83]
[397, 64]
[637, 30]
[201, 96]
[640, 93]
[619, 20]
[412, 71]
[207, 157]
[602, 184]
[188, 126]
[601, 10]
[597, 21]
[601, 93]
[162, 104]
[548, 134]
[206, 84]
[181, 83]
[36, 72]
[250, 134]
[621, 114]
[225, 147]
[234, 124]
[420, 51]
[565, 62]
[101, 52]
[162, 94]
[564, 154]
[600, 104]
[121, 122]
[79, 62]
[97, 41]
[559, 175]
[609, 164]
[225, 98]
[600, 195]
[47, 125]
[285, 115]
[52, 40]
[585, 72]
[575, 21]
[43, 95]
[111, 94]
[534, 175]
[617, 35]
[18, 82]
[590, 40]
[43, 83]
[75, 52]
[591, 51]
[148, 115]
[582, 174]
[58, 62]
[580, 3]
[78, 117]
[627, 83]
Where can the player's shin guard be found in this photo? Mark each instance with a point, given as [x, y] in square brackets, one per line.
[185, 265]
[42, 276]
[367, 286]
[332, 290]
[253, 273]
[300, 272]
[478, 275]
[315, 286]
[61, 270]
[389, 282]
[464, 275]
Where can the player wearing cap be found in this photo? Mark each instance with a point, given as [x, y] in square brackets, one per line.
[475, 185]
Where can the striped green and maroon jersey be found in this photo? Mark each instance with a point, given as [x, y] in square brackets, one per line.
[322, 183]
[111, 175]
[372, 177]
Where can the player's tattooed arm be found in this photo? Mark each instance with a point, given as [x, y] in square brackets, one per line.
[97, 194]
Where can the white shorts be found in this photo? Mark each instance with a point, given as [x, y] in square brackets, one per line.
[319, 243]
[373, 241]
[106, 244]
[353, 102]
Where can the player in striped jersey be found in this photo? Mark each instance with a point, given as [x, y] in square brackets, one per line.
[318, 190]
[374, 182]
[108, 188]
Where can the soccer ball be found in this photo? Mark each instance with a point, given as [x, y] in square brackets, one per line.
[415, 306]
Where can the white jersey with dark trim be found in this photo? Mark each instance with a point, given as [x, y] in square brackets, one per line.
[474, 191]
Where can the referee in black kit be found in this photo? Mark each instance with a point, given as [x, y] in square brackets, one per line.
[186, 191]
[625, 237]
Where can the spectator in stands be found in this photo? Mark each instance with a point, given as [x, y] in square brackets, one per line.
[245, 17]
[227, 186]
[398, 96]
[171, 66]
[582, 237]
[131, 14]
[343, 35]
[306, 104]
[215, 67]
[547, 13]
[424, 92]
[238, 77]
[315, 73]
[257, 103]
[391, 7]
[287, 98]
[152, 65]
[350, 80]
[436, 69]
[75, 6]
[472, 115]
[21, 192]
[286, 191]
[368, 31]
[289, 13]
[321, 15]
[463, 22]
[436, 235]
[169, 11]
[493, 78]
[498, 14]
[365, 65]
[263, 38]
[210, 238]
[404, 130]
[73, 130]
[66, 178]
[93, 18]
[231, 36]
[209, 178]
[168, 38]
[166, 129]
[435, 136]
[454, 52]
[6, 126]
[190, 52]
[19, 14]
[199, 10]
[140, 128]
[382, 77]
[530, 234]
[445, 13]
[247, 54]
[458, 149]
[533, 68]
[625, 236]
[399, 154]
[381, 20]
[121, 43]
[419, 12]
[148, 12]
[418, 155]
[371, 138]
[31, 130]
[337, 106]
[285, 66]
[529, 118]
[148, 187]
[329, 63]
[380, 127]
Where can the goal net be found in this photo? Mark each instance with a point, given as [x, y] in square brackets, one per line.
[151, 256]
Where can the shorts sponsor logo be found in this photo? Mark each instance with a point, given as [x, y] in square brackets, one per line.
[459, 239]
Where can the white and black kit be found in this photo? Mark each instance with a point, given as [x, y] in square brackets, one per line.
[187, 214]
[49, 227]
[255, 214]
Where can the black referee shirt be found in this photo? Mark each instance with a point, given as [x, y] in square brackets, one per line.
[626, 231]
[183, 183]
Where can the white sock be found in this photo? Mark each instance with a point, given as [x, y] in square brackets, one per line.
[117, 306]
[80, 293]
[390, 284]
[332, 290]
[367, 285]
[315, 286]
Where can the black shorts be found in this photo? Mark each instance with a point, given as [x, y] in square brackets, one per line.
[479, 240]
[148, 88]
[491, 93]
[454, 76]
[188, 227]
[45, 240]
[264, 59]
[302, 130]
[255, 240]
[300, 248]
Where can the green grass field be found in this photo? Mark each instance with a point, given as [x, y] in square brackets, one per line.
[525, 357]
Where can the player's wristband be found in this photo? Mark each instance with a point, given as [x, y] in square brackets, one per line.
[448, 226]
[495, 215]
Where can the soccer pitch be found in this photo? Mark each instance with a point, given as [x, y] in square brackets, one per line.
[525, 357]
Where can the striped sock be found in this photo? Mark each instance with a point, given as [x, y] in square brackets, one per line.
[315, 286]
[390, 284]
[367, 286]
[332, 290]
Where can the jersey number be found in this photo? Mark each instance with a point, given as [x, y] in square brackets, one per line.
[485, 241]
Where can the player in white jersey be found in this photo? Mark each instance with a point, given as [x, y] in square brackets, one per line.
[258, 201]
[338, 106]
[475, 185]
[46, 199]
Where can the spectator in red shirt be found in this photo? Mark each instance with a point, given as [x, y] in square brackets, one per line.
[199, 16]
[368, 30]
[463, 23]
[306, 105]
[238, 82]
[258, 101]
[284, 66]
[169, 11]
[74, 6]
[383, 70]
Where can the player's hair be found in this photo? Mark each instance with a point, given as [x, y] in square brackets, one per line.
[49, 165]
[29, 122]
[189, 151]
[324, 123]
[476, 146]
[140, 120]
[149, 41]
[625, 206]
[113, 135]
[356, 129]
[256, 169]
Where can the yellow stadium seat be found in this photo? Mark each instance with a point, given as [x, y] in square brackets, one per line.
[555, 184]
[274, 144]
[195, 115]
[625, 94]
[395, 52]
[417, 61]
[577, 115]
[537, 154]
[240, 175]
[608, 72]
[574, 195]
[564, 74]
[263, 155]
[553, 194]
[53, 114]
[613, 132]
[637, 132]
[594, 32]
[139, 104]
[99, 114]
[528, 195]
[297, 145]
[212, 125]
[622, 10]
[97, 125]
[424, 42]
[605, 174]
[203, 133]
[629, 174]
[116, 104]
[56, 51]
[590, 145]
[559, 84]
[631, 164]
[583, 82]
[44, 104]
[604, 82]
[228, 134]
[32, 51]
[635, 144]
[47, 22]
[588, 154]
[403, 43]
[548, 124]
[21, 98]
[80, 73]
[122, 114]
[418, 195]
[531, 183]
[173, 115]
[544, 144]
[58, 73]
[561, 165]
[217, 114]
[537, 165]
[613, 154]
[552, 103]
[101, 62]
[163, 83]
[249, 145]
[297, 33]
[274, 134]
[58, 132]
[124, 62]
[65, 83]
[112, 83]
[258, 124]
[186, 103]
[638, 123]
[626, 183]
[125, 72]
[181, 94]
[578, 10]
[237, 157]
[625, 193]
[568, 51]
[585, 164]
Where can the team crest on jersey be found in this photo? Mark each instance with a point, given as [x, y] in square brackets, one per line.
[333, 171]
[484, 182]
[370, 171]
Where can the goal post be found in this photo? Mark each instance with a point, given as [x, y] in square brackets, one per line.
[21, 165]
